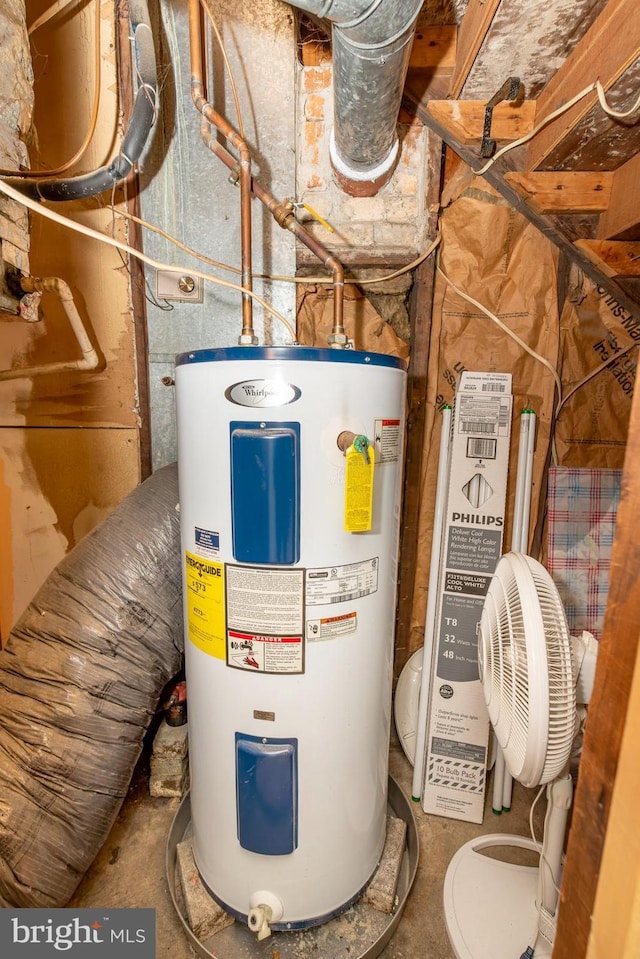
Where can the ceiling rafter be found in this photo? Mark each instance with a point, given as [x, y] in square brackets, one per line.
[578, 178]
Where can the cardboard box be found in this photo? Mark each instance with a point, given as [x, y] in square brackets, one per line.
[458, 724]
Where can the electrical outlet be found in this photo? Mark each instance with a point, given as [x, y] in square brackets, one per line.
[179, 286]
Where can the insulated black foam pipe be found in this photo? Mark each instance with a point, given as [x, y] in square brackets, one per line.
[142, 118]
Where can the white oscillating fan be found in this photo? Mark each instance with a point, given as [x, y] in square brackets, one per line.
[528, 666]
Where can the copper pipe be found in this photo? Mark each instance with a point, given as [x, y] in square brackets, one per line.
[211, 115]
[283, 213]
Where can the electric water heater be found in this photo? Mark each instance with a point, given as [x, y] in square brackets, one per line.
[290, 469]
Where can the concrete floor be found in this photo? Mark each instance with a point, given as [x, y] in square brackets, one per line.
[130, 869]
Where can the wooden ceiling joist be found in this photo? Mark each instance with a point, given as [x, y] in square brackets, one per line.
[434, 50]
[609, 48]
[564, 192]
[465, 119]
[613, 257]
[621, 220]
[554, 226]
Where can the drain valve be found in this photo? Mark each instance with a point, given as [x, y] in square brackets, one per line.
[265, 908]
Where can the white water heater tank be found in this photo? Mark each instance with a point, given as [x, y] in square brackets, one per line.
[289, 620]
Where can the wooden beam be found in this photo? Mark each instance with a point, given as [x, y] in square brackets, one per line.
[622, 218]
[607, 713]
[615, 929]
[420, 315]
[563, 192]
[613, 257]
[434, 49]
[465, 119]
[609, 47]
[561, 230]
[473, 29]
[135, 267]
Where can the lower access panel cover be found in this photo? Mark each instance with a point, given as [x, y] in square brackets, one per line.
[267, 794]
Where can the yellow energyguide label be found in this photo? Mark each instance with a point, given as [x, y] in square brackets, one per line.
[358, 494]
[205, 605]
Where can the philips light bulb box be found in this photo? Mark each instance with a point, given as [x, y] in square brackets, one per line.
[458, 724]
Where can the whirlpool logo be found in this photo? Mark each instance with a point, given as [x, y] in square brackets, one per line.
[262, 393]
[80, 933]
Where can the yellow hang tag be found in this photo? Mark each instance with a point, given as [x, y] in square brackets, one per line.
[358, 493]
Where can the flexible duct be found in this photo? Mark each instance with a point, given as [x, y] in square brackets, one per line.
[371, 48]
[80, 679]
[142, 119]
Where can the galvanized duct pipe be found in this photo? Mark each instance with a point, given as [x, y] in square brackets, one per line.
[371, 48]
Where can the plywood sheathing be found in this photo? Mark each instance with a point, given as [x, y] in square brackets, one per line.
[55, 486]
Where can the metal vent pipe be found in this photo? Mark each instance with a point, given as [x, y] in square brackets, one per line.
[371, 48]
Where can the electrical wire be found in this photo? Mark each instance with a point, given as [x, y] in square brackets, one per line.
[36, 207]
[353, 281]
[594, 372]
[597, 86]
[234, 91]
[177, 242]
[538, 845]
[82, 149]
[514, 336]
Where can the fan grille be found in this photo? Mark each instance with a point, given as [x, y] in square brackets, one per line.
[524, 655]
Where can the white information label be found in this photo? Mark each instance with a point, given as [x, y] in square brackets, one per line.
[266, 601]
[340, 584]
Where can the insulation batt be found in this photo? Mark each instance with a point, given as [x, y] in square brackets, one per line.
[80, 679]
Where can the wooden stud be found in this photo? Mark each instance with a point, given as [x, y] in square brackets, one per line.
[615, 929]
[420, 312]
[563, 192]
[607, 714]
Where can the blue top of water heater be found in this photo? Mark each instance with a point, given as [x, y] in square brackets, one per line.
[285, 353]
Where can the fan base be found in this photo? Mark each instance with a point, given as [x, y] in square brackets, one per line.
[489, 905]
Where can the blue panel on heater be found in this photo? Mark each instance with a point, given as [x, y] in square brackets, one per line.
[267, 794]
[265, 492]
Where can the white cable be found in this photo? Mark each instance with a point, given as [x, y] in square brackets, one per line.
[594, 372]
[514, 336]
[349, 280]
[616, 114]
[157, 265]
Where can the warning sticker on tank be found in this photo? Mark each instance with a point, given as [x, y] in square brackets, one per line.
[339, 584]
[331, 626]
[265, 654]
[205, 605]
[387, 440]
